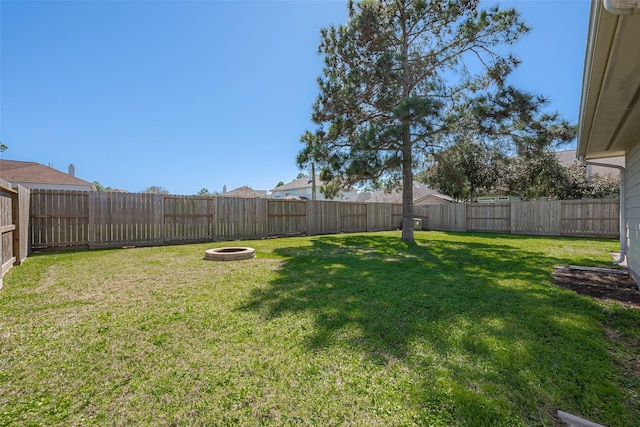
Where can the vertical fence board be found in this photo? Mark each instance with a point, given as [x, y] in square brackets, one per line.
[539, 217]
[489, 217]
[239, 218]
[323, 217]
[353, 217]
[224, 225]
[396, 216]
[59, 218]
[125, 219]
[445, 217]
[262, 217]
[22, 223]
[590, 218]
[187, 218]
[287, 217]
[379, 217]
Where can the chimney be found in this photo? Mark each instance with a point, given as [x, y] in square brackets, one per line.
[72, 170]
[224, 189]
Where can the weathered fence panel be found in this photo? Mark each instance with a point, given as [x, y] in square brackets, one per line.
[445, 217]
[287, 217]
[59, 218]
[88, 219]
[237, 218]
[590, 218]
[539, 217]
[489, 217]
[188, 218]
[594, 218]
[396, 216]
[353, 217]
[323, 217]
[379, 217]
[124, 219]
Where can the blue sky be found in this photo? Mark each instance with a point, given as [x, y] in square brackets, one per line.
[200, 94]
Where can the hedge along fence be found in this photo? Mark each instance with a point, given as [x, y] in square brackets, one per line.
[68, 219]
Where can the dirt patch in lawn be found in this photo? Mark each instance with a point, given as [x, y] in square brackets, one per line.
[599, 284]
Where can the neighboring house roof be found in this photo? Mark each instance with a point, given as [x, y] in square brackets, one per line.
[245, 191]
[299, 183]
[421, 195]
[609, 122]
[35, 175]
[566, 159]
[304, 183]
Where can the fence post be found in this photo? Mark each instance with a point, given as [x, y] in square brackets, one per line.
[91, 205]
[1, 250]
[25, 215]
[15, 219]
[158, 209]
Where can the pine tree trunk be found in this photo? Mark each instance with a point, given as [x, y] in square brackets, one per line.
[407, 187]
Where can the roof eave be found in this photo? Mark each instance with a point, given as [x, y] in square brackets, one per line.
[593, 64]
[609, 118]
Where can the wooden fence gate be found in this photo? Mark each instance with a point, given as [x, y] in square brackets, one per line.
[14, 225]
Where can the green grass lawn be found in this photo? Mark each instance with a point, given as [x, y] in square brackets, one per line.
[353, 329]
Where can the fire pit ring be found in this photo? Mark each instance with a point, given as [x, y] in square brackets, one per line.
[229, 254]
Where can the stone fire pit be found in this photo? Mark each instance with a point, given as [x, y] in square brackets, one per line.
[229, 254]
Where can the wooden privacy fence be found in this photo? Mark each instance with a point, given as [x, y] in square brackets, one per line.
[103, 219]
[95, 220]
[586, 218]
[14, 225]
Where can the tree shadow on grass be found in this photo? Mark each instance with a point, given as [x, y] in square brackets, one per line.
[479, 319]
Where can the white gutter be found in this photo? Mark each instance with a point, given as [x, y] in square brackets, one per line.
[622, 7]
[623, 215]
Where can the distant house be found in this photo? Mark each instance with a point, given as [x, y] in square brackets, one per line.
[37, 176]
[422, 195]
[303, 187]
[494, 197]
[566, 159]
[244, 191]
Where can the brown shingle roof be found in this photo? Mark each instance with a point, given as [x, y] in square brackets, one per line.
[32, 172]
[299, 183]
[245, 191]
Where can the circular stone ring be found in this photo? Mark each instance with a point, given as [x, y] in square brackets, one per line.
[229, 254]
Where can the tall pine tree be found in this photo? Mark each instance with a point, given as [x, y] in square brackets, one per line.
[393, 76]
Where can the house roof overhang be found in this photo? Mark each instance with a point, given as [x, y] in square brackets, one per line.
[609, 123]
